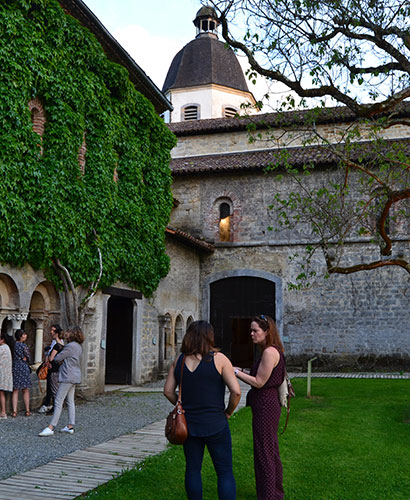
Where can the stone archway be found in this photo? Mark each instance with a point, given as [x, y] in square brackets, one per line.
[9, 305]
[232, 298]
[44, 311]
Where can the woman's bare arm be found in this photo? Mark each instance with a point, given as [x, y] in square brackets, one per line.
[270, 359]
[171, 385]
[225, 368]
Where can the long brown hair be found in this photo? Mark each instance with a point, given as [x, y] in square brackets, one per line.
[198, 339]
[272, 334]
[74, 334]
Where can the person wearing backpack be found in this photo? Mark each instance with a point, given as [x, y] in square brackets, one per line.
[266, 375]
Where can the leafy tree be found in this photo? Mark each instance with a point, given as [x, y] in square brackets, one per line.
[350, 52]
[85, 228]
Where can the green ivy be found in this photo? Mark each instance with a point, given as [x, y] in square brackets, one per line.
[49, 209]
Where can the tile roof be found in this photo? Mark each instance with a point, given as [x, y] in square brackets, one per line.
[189, 240]
[278, 119]
[204, 61]
[321, 156]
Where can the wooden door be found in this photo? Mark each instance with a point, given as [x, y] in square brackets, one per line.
[233, 303]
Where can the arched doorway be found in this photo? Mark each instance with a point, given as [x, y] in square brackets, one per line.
[233, 302]
[118, 361]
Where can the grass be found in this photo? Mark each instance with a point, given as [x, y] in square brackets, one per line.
[351, 441]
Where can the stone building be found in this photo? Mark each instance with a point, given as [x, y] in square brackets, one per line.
[222, 194]
[225, 265]
[122, 326]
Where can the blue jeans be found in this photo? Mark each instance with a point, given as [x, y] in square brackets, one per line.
[220, 449]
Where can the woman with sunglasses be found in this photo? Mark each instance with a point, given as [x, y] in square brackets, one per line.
[265, 376]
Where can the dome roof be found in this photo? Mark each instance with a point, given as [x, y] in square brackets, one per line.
[203, 61]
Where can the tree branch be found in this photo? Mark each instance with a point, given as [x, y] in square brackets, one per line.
[393, 198]
[368, 267]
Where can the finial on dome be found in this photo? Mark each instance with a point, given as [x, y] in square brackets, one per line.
[206, 22]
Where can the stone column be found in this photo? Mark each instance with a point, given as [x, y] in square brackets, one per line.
[163, 323]
[38, 349]
[16, 319]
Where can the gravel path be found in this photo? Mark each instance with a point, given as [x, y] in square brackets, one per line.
[104, 418]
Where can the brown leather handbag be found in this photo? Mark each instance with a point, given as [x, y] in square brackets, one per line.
[176, 430]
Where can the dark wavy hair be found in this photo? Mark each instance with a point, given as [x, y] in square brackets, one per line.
[9, 340]
[198, 339]
[74, 334]
[19, 333]
[58, 329]
[272, 334]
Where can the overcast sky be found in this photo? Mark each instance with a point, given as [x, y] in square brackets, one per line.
[153, 31]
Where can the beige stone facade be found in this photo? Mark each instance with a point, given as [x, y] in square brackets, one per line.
[360, 320]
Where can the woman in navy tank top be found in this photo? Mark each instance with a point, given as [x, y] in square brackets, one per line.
[206, 373]
[265, 377]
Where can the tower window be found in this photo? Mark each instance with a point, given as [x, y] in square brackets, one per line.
[191, 113]
[230, 112]
[224, 222]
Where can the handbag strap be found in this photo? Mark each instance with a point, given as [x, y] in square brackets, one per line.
[180, 381]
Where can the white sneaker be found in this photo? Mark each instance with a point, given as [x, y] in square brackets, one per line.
[68, 430]
[43, 409]
[46, 432]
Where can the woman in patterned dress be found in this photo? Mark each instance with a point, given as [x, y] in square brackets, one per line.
[21, 373]
[6, 374]
[265, 377]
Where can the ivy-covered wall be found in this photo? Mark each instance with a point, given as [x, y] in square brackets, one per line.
[49, 208]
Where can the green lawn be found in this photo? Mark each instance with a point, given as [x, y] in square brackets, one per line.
[351, 441]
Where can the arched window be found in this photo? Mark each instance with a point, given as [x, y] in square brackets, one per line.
[230, 112]
[81, 155]
[38, 119]
[224, 222]
[190, 112]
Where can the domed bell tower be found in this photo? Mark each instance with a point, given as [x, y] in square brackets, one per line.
[205, 79]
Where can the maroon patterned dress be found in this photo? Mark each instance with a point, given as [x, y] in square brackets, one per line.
[265, 420]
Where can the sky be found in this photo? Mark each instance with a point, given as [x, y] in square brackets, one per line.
[153, 31]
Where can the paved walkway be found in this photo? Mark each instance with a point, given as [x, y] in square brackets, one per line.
[84, 470]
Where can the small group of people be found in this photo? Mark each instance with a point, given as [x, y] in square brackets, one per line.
[15, 372]
[206, 373]
[64, 373]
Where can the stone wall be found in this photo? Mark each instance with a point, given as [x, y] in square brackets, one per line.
[359, 321]
[238, 141]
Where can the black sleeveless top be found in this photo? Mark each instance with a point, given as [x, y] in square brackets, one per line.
[203, 397]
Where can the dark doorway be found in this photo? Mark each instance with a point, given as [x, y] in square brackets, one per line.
[233, 303]
[118, 359]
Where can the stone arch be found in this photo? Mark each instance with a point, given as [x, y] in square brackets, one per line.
[45, 298]
[178, 331]
[189, 321]
[7, 326]
[9, 294]
[44, 310]
[246, 273]
[168, 336]
[212, 217]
